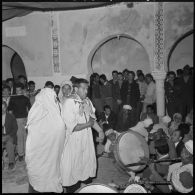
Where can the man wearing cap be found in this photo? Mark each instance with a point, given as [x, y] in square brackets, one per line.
[186, 159]
[143, 127]
[165, 122]
[124, 121]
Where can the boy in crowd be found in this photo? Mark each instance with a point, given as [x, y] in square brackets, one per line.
[6, 92]
[9, 129]
[10, 83]
[20, 105]
[49, 84]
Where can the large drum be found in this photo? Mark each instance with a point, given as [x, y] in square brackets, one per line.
[129, 148]
[96, 188]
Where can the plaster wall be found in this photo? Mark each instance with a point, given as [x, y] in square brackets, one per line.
[178, 20]
[81, 31]
[183, 54]
[7, 54]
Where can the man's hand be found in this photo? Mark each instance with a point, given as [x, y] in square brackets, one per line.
[101, 136]
[91, 122]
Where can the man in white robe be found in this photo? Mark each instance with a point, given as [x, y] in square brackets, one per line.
[44, 144]
[78, 161]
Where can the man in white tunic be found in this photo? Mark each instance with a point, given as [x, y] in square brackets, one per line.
[79, 160]
[44, 144]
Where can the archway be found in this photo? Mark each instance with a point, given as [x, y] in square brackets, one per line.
[12, 63]
[118, 52]
[181, 52]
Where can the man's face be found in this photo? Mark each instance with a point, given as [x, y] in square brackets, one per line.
[66, 89]
[149, 111]
[171, 77]
[4, 108]
[126, 75]
[120, 77]
[49, 86]
[115, 76]
[82, 90]
[107, 111]
[112, 136]
[175, 137]
[148, 80]
[19, 91]
[141, 78]
[10, 83]
[102, 81]
[32, 87]
[97, 78]
[131, 77]
[6, 92]
[22, 80]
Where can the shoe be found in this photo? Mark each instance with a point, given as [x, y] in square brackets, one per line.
[11, 166]
[20, 158]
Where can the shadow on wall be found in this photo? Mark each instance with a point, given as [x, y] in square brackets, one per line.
[117, 53]
[182, 52]
[13, 65]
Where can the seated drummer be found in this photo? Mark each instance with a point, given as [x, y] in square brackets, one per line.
[111, 136]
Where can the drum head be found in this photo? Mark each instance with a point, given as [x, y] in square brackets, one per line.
[96, 188]
[129, 148]
[135, 188]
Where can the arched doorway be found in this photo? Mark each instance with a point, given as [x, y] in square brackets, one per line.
[118, 52]
[12, 63]
[182, 52]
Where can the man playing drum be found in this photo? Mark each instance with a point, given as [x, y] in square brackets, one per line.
[78, 161]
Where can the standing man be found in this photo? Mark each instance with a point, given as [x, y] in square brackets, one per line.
[78, 163]
[115, 92]
[131, 96]
[44, 144]
[150, 97]
[20, 105]
[106, 91]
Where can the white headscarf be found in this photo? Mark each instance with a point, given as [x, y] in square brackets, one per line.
[45, 102]
[66, 82]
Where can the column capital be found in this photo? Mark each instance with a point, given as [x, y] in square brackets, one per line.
[159, 75]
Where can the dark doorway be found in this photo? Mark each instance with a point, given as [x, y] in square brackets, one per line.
[17, 66]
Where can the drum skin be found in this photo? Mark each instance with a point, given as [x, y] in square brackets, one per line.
[96, 188]
[129, 147]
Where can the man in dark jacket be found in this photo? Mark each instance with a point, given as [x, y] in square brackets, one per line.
[130, 95]
[115, 92]
[108, 117]
[9, 130]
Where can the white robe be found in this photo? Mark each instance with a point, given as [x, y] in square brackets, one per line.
[78, 160]
[44, 144]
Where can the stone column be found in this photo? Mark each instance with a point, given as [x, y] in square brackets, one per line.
[160, 92]
[158, 72]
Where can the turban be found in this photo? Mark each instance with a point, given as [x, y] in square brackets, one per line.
[166, 119]
[127, 107]
[147, 122]
[182, 178]
[189, 146]
[156, 127]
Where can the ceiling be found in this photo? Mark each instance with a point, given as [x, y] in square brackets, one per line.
[17, 9]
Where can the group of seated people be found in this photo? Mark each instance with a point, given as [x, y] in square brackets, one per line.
[123, 103]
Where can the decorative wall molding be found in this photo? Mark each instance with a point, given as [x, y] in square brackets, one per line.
[159, 37]
[55, 42]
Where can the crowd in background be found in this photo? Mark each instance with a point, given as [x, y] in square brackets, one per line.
[121, 103]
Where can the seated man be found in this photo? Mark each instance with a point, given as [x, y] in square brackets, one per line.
[124, 119]
[9, 130]
[177, 120]
[111, 136]
[143, 127]
[107, 117]
[177, 138]
[150, 114]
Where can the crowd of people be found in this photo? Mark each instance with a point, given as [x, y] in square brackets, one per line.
[56, 129]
